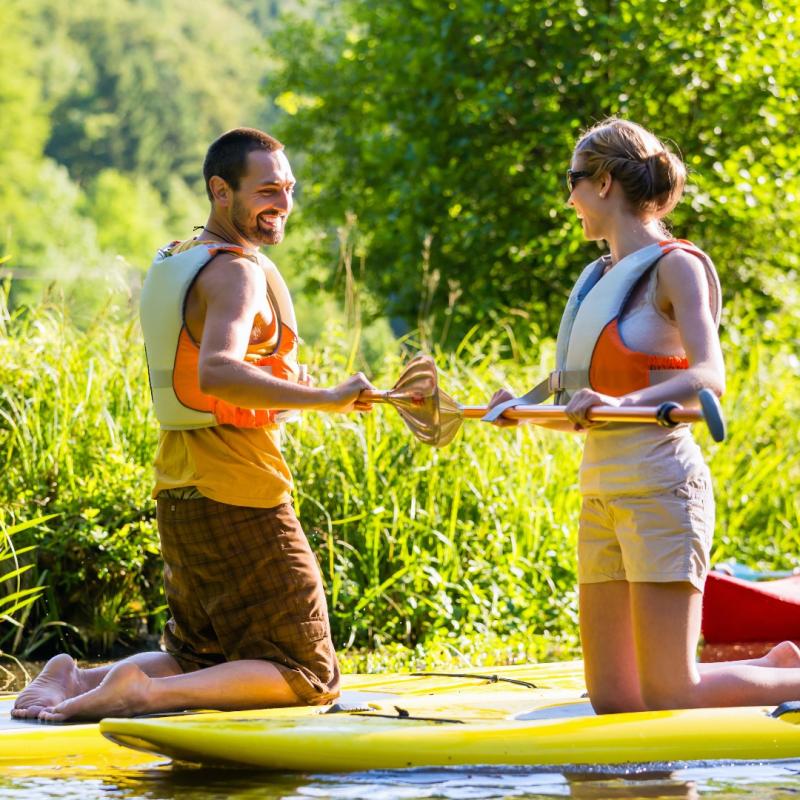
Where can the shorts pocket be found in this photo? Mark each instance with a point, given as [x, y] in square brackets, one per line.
[312, 630]
[697, 498]
[697, 486]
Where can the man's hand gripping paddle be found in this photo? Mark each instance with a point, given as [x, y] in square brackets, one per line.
[434, 417]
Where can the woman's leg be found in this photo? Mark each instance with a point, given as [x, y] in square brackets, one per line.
[784, 654]
[666, 626]
[607, 641]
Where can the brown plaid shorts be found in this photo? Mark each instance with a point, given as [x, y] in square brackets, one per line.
[243, 583]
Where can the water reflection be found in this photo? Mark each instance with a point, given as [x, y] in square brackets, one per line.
[157, 783]
[645, 784]
[773, 781]
[488, 783]
[761, 782]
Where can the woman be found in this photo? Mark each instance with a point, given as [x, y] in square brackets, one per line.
[641, 329]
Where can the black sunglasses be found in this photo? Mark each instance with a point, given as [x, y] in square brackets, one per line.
[574, 175]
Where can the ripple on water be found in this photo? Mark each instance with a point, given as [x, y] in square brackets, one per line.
[766, 781]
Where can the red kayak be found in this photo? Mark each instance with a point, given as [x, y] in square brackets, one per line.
[736, 611]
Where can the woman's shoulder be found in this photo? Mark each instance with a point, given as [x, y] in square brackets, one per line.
[684, 260]
[686, 273]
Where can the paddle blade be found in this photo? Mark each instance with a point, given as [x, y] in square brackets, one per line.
[429, 413]
[450, 419]
[712, 413]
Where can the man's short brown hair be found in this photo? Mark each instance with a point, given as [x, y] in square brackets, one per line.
[227, 156]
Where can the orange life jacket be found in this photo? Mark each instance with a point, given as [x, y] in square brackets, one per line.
[615, 369]
[590, 352]
[173, 356]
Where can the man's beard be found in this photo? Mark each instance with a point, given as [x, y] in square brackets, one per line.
[254, 232]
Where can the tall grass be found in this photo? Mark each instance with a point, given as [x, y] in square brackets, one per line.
[757, 470]
[474, 539]
[16, 599]
[465, 550]
[76, 439]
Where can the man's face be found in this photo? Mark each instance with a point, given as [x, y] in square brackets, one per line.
[263, 201]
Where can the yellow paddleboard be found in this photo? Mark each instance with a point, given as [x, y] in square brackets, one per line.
[28, 743]
[528, 715]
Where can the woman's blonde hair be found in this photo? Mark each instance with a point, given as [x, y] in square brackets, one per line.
[651, 176]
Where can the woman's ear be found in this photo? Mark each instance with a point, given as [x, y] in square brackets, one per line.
[604, 185]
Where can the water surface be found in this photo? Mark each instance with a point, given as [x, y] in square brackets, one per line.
[165, 781]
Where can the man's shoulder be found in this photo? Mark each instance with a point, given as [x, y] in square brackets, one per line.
[231, 269]
[265, 261]
[230, 256]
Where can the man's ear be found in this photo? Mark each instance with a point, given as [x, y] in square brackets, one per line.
[220, 190]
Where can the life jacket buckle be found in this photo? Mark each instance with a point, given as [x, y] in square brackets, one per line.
[555, 381]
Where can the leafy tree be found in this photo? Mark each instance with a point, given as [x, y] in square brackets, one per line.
[23, 122]
[129, 214]
[42, 233]
[106, 109]
[147, 85]
[445, 127]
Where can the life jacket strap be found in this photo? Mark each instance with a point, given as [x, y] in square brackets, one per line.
[569, 379]
[161, 378]
[541, 392]
[560, 380]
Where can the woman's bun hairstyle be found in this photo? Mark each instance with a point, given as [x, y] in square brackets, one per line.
[651, 176]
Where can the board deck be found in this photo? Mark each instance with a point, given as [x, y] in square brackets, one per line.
[30, 743]
[395, 722]
[522, 715]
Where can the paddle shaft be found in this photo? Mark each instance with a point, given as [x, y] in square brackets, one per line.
[543, 413]
[596, 413]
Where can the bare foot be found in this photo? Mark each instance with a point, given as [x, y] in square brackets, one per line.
[122, 693]
[58, 681]
[785, 654]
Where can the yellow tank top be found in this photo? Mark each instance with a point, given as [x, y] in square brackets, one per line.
[238, 466]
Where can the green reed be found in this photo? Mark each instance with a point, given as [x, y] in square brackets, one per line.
[468, 550]
[76, 437]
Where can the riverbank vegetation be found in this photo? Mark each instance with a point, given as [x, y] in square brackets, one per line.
[430, 141]
[420, 548]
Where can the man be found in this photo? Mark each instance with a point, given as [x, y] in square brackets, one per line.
[249, 625]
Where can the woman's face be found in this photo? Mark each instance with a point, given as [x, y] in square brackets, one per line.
[587, 198]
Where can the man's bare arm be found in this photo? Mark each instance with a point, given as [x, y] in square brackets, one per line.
[232, 291]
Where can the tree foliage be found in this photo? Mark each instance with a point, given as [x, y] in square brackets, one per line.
[106, 110]
[144, 87]
[446, 127]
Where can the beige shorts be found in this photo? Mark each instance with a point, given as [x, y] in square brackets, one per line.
[650, 538]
